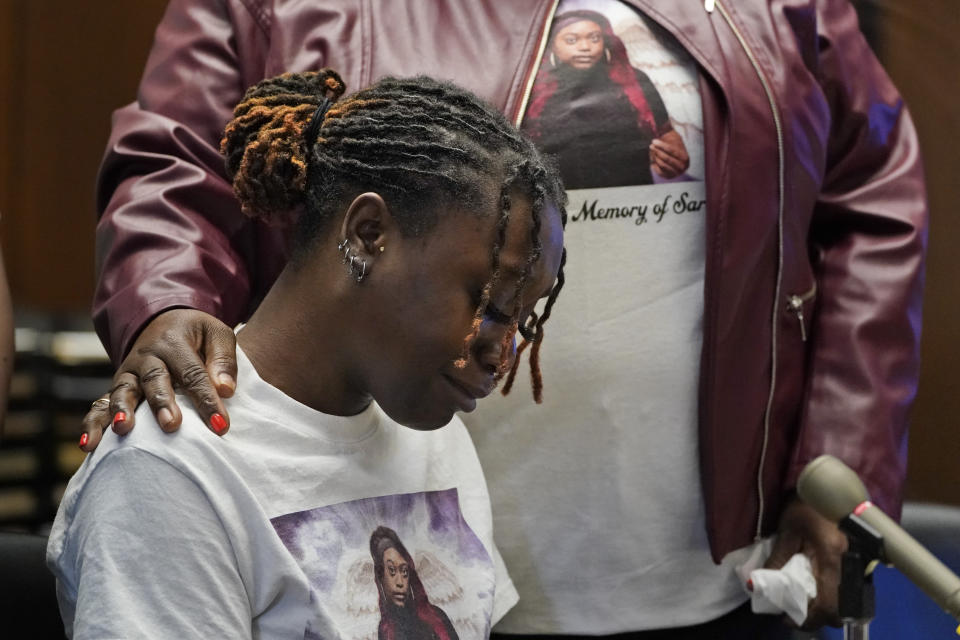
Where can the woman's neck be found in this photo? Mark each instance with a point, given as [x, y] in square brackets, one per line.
[295, 341]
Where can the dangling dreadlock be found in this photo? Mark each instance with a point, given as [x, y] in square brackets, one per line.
[403, 138]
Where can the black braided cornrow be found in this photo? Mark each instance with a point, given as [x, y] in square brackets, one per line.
[536, 378]
[537, 177]
[502, 223]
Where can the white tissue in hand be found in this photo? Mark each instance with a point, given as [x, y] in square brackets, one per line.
[786, 589]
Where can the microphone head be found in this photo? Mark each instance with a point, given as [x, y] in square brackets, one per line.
[831, 487]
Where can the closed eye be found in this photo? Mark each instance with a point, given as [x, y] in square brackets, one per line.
[496, 315]
[527, 333]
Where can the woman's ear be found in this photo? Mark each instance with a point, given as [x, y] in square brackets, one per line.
[364, 233]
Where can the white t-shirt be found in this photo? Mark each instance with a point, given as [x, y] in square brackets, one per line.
[596, 493]
[266, 532]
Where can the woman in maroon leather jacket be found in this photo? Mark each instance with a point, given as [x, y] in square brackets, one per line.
[816, 224]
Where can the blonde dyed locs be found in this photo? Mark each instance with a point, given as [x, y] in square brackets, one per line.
[428, 147]
[264, 147]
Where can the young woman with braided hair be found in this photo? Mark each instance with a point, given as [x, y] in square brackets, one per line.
[425, 229]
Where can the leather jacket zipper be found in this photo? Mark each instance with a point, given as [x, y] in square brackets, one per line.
[709, 5]
[795, 304]
[532, 73]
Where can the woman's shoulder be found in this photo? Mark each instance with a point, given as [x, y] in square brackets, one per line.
[192, 460]
[192, 439]
[188, 453]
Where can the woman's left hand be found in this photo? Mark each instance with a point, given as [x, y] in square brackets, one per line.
[668, 155]
[803, 530]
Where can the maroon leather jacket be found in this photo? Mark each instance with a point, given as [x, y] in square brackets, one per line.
[816, 225]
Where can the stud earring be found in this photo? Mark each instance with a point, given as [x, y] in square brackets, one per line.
[382, 248]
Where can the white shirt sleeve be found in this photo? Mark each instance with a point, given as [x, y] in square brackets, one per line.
[506, 596]
[475, 502]
[146, 556]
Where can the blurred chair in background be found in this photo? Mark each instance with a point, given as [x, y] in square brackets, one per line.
[28, 601]
[6, 342]
[60, 365]
[57, 366]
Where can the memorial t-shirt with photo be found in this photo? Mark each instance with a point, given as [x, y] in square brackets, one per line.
[617, 431]
[295, 524]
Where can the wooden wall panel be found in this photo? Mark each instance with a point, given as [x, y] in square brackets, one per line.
[72, 64]
[9, 107]
[921, 51]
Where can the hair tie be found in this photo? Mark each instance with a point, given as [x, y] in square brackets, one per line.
[313, 129]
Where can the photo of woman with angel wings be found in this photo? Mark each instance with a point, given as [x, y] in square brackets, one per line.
[405, 609]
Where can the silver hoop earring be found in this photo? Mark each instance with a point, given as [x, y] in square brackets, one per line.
[363, 271]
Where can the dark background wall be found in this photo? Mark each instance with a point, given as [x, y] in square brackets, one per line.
[920, 46]
[64, 66]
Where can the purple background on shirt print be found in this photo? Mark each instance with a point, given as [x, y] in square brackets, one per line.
[355, 520]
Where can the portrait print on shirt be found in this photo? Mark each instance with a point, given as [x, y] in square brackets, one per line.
[596, 109]
[616, 101]
[394, 567]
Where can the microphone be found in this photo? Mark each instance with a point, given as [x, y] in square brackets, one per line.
[835, 492]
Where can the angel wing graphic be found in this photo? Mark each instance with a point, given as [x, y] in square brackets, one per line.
[354, 600]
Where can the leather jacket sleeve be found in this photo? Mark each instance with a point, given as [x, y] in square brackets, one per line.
[868, 235]
[170, 232]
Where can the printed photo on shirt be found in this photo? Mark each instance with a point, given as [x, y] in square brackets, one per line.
[610, 100]
[393, 567]
[405, 607]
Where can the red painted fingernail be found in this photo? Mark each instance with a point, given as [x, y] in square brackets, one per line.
[120, 417]
[750, 584]
[218, 423]
[83, 440]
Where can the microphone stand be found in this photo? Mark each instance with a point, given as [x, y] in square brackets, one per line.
[857, 603]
